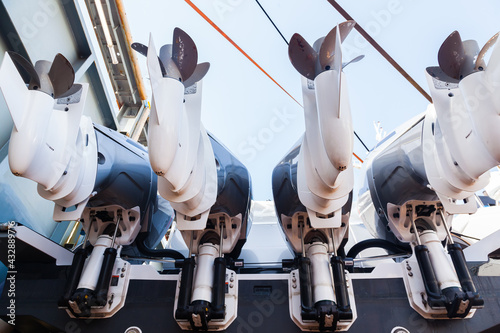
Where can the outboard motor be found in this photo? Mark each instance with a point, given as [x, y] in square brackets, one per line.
[429, 169]
[312, 188]
[207, 186]
[91, 173]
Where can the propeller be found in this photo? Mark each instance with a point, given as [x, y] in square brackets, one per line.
[54, 78]
[178, 60]
[309, 60]
[458, 58]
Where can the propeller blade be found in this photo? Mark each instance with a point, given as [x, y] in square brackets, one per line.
[302, 56]
[480, 63]
[184, 53]
[198, 74]
[61, 75]
[451, 55]
[327, 50]
[143, 49]
[471, 50]
[170, 66]
[23, 63]
[358, 58]
[73, 90]
[437, 73]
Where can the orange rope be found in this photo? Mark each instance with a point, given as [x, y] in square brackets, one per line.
[357, 157]
[237, 47]
[190, 3]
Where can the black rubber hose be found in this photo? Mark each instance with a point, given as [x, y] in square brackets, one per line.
[161, 253]
[381, 243]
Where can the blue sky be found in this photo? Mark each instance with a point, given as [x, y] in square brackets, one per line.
[253, 117]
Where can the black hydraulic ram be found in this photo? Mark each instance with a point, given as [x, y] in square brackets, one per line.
[74, 276]
[185, 290]
[102, 286]
[306, 298]
[430, 281]
[458, 259]
[341, 293]
[219, 288]
[457, 256]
